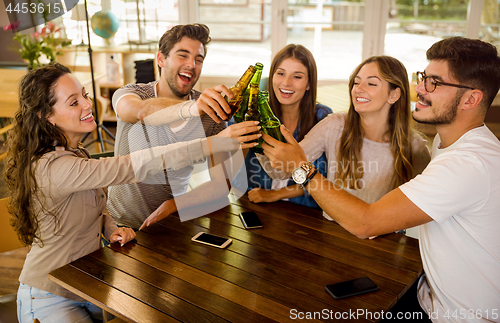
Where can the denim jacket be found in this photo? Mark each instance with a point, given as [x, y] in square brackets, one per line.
[257, 177]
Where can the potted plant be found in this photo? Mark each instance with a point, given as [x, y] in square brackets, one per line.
[46, 42]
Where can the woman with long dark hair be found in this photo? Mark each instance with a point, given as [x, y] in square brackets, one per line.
[56, 197]
[293, 79]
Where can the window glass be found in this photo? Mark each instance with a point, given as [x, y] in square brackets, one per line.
[75, 25]
[490, 22]
[331, 30]
[413, 26]
[144, 21]
[241, 35]
[141, 22]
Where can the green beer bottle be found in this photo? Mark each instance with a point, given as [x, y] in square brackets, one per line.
[268, 121]
[239, 116]
[253, 113]
[238, 91]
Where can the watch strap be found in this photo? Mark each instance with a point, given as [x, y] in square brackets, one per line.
[307, 167]
[303, 185]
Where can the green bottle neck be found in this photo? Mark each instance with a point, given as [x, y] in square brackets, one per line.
[256, 77]
[266, 114]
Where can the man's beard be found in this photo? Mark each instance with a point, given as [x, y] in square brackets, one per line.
[447, 116]
[172, 83]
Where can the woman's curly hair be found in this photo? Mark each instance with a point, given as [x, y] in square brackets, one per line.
[30, 138]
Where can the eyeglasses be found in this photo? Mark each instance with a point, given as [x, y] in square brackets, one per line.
[430, 83]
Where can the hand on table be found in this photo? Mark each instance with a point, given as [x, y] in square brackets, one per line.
[165, 209]
[243, 132]
[259, 195]
[284, 156]
[123, 235]
[212, 103]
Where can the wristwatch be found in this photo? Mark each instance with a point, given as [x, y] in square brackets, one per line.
[308, 180]
[301, 174]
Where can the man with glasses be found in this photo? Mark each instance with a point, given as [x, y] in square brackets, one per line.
[430, 84]
[457, 197]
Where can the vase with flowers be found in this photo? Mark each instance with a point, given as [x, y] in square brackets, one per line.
[46, 42]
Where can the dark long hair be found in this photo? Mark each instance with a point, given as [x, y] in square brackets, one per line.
[30, 138]
[400, 127]
[308, 103]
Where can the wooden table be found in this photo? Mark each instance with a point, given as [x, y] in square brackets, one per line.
[268, 274]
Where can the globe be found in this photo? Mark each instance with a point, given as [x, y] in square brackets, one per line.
[104, 24]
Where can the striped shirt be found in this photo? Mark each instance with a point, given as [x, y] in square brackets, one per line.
[131, 204]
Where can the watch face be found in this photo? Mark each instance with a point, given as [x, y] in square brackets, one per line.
[299, 175]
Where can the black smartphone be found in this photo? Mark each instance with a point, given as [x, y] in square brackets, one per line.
[351, 287]
[250, 220]
[212, 240]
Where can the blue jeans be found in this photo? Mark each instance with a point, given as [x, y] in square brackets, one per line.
[49, 308]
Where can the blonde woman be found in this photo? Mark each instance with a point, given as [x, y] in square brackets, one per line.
[372, 148]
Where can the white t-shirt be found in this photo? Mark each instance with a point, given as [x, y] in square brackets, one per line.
[460, 191]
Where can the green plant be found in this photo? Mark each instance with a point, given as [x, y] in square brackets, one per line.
[46, 42]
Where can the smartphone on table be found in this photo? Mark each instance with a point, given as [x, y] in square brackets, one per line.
[250, 220]
[212, 240]
[351, 287]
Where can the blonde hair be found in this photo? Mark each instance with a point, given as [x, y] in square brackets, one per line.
[350, 169]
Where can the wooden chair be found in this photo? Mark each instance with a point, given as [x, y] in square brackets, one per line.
[7, 112]
[8, 237]
[9, 97]
[8, 241]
